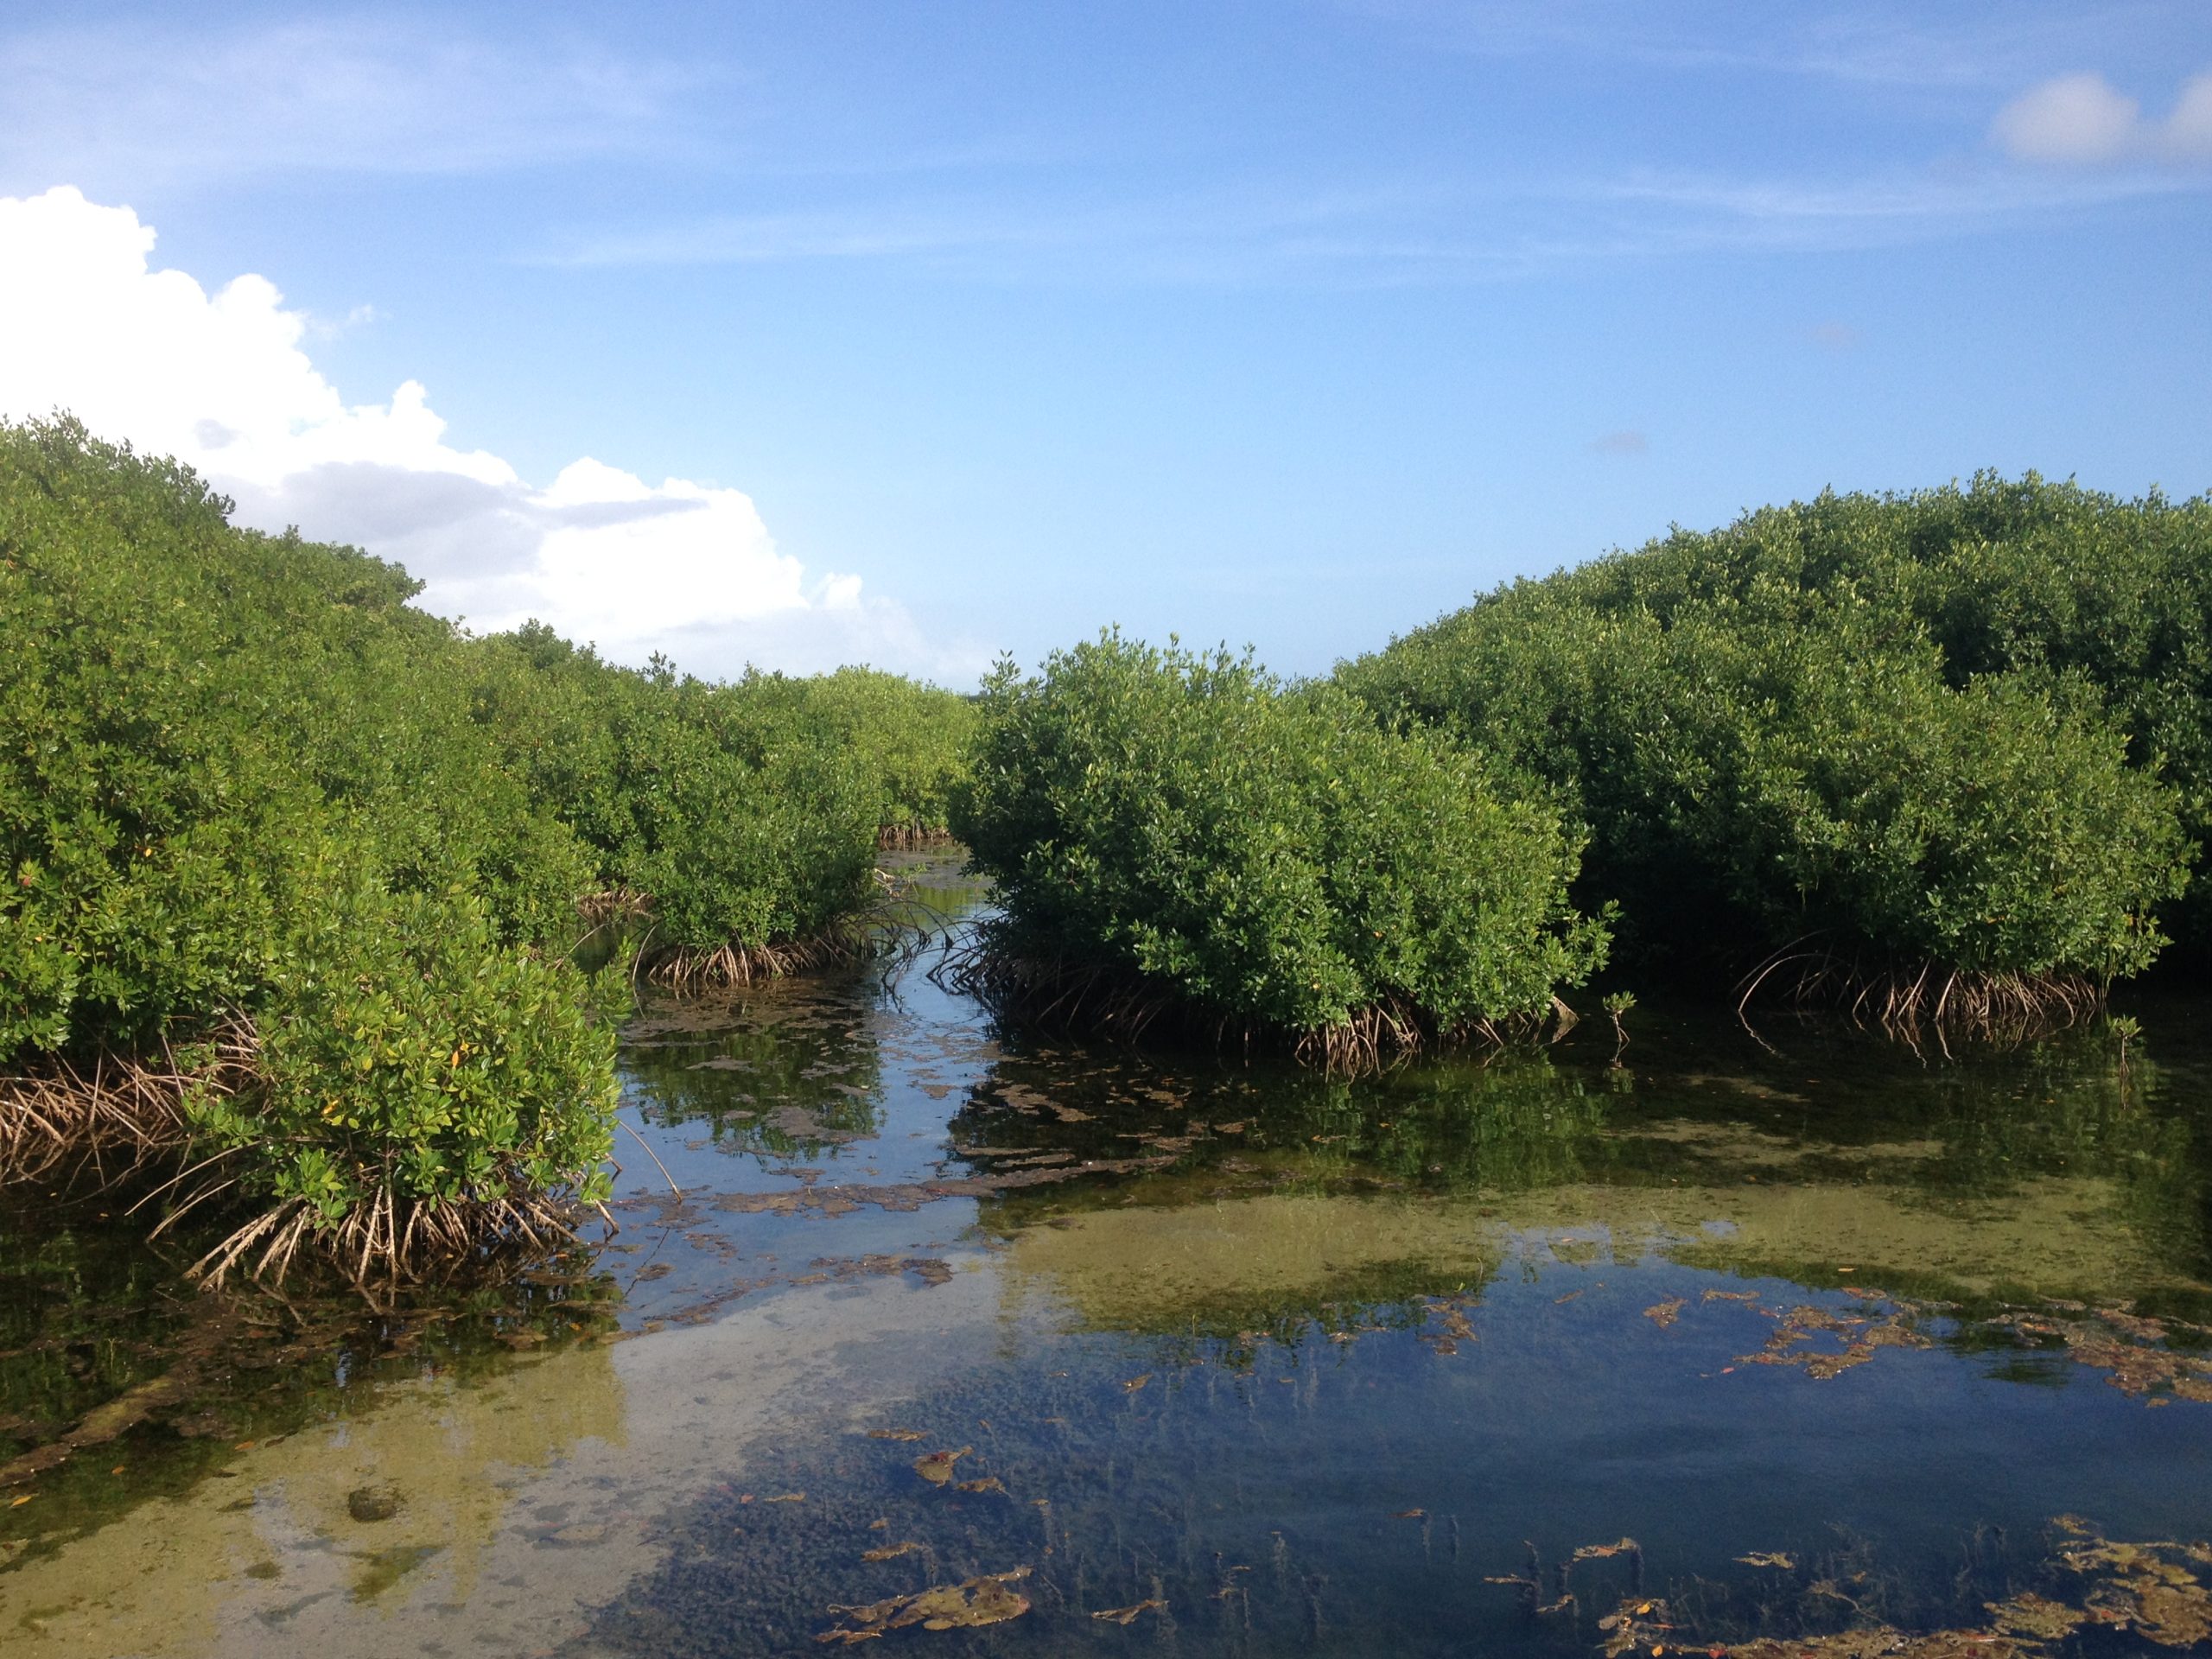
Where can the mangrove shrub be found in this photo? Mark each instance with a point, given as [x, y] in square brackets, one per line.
[1778, 745]
[1184, 833]
[291, 872]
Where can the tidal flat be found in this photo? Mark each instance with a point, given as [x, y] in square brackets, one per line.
[917, 1332]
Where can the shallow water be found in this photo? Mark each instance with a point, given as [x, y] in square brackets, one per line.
[1233, 1358]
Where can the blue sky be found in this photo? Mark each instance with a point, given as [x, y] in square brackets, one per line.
[1292, 324]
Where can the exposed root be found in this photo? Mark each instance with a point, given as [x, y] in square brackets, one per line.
[1901, 998]
[891, 921]
[385, 1240]
[912, 836]
[682, 968]
[117, 1109]
[1057, 992]
[612, 905]
[121, 1117]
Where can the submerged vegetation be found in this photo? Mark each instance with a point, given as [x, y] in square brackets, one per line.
[1173, 833]
[294, 872]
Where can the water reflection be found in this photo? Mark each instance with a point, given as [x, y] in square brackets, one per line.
[1231, 1354]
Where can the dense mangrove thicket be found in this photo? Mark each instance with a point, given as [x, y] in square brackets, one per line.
[735, 830]
[911, 739]
[1943, 752]
[292, 871]
[1179, 834]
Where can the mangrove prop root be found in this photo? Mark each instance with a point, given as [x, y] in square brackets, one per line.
[1115, 1003]
[889, 922]
[682, 968]
[1900, 999]
[387, 1240]
[116, 1105]
[612, 905]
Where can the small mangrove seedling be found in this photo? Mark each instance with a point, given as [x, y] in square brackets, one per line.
[1617, 1005]
[2126, 1029]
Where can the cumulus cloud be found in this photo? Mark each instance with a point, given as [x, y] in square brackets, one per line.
[2083, 120]
[219, 379]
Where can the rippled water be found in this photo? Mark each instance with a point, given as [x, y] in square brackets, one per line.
[1774, 1333]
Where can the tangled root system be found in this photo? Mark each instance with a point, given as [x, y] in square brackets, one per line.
[613, 905]
[681, 968]
[1902, 999]
[1058, 994]
[890, 922]
[912, 836]
[116, 1108]
[388, 1241]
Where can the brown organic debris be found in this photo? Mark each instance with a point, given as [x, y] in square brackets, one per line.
[2129, 1348]
[1861, 1334]
[893, 1552]
[1605, 1552]
[1128, 1615]
[936, 1467]
[971, 1602]
[1639, 1622]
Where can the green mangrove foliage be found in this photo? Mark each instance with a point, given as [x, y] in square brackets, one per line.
[736, 826]
[1170, 831]
[240, 790]
[1914, 748]
[290, 872]
[912, 739]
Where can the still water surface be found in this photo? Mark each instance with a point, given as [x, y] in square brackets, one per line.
[909, 1321]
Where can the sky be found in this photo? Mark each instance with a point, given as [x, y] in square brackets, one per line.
[826, 331]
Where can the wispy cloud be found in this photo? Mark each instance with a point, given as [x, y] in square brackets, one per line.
[1920, 45]
[1387, 233]
[130, 107]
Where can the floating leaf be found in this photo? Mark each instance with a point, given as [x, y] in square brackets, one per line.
[1768, 1558]
[896, 1434]
[987, 1484]
[892, 1552]
[1136, 1382]
[1663, 1314]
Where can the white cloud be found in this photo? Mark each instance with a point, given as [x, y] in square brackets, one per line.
[219, 380]
[2083, 120]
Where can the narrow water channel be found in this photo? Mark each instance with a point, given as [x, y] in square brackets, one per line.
[920, 1333]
